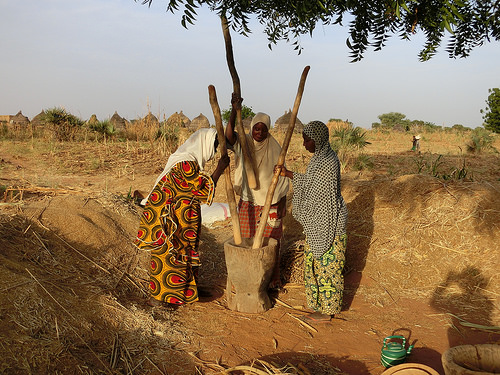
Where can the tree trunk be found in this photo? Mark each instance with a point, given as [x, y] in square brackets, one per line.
[281, 160]
[250, 166]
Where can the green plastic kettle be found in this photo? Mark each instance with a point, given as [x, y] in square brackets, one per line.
[394, 351]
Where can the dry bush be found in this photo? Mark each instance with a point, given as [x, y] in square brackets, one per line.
[334, 125]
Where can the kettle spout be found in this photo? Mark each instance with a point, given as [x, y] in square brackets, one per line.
[408, 351]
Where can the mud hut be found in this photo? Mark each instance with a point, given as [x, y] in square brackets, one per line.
[19, 119]
[92, 120]
[199, 122]
[178, 120]
[119, 123]
[37, 121]
[282, 123]
[151, 120]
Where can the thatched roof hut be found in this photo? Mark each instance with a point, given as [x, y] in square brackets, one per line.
[92, 120]
[37, 120]
[151, 120]
[118, 122]
[199, 122]
[19, 119]
[178, 120]
[282, 123]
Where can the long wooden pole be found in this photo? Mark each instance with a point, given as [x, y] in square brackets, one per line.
[259, 234]
[248, 159]
[227, 172]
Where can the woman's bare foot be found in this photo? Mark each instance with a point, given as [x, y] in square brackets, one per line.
[317, 317]
[153, 302]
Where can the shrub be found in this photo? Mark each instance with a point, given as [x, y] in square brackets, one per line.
[348, 143]
[63, 124]
[480, 140]
[168, 136]
[104, 127]
[437, 168]
[492, 112]
[460, 128]
[246, 112]
[349, 138]
[362, 162]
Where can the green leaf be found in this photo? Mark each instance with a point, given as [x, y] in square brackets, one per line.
[447, 26]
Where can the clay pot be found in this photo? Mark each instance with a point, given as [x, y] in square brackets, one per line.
[482, 359]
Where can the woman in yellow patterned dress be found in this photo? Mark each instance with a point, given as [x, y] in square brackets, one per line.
[171, 222]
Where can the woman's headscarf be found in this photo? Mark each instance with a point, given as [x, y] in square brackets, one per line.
[265, 154]
[199, 147]
[317, 201]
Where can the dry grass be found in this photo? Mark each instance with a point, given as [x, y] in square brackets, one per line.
[71, 299]
[440, 142]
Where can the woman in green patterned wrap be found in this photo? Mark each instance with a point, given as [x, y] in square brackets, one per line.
[318, 205]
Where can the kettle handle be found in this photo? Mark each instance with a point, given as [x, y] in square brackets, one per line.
[395, 337]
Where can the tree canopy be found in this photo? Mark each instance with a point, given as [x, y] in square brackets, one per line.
[466, 23]
[246, 112]
[491, 115]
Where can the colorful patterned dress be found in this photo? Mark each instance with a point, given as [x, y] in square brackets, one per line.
[169, 228]
[323, 278]
[319, 206]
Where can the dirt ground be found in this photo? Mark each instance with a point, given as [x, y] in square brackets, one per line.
[422, 261]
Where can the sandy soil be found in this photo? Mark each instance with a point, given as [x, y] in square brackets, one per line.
[422, 262]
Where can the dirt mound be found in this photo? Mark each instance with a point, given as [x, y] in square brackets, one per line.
[414, 234]
[73, 285]
[70, 280]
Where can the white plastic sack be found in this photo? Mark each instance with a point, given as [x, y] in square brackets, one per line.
[215, 212]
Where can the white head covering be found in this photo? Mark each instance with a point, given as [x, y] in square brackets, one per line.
[261, 117]
[199, 147]
[265, 155]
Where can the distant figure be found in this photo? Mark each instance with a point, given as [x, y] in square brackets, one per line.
[416, 143]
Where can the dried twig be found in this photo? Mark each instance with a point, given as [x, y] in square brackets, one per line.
[246, 370]
[214, 365]
[114, 352]
[155, 366]
[303, 323]
[280, 302]
[82, 255]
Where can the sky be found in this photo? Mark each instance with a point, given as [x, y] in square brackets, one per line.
[101, 56]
